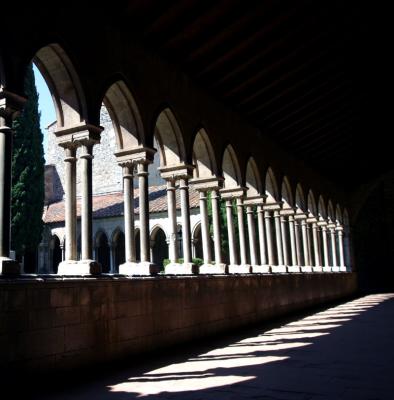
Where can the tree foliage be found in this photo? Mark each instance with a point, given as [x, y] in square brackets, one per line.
[27, 174]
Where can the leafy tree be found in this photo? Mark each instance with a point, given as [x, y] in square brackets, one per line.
[27, 175]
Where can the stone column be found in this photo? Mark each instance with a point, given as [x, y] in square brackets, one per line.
[298, 241]
[129, 224]
[206, 248]
[268, 229]
[252, 236]
[342, 266]
[316, 249]
[241, 231]
[284, 239]
[87, 264]
[260, 224]
[68, 267]
[173, 239]
[185, 212]
[280, 267]
[294, 263]
[305, 241]
[231, 233]
[216, 226]
[334, 250]
[7, 265]
[308, 231]
[326, 267]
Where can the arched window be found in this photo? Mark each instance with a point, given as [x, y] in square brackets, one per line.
[118, 249]
[160, 247]
[103, 252]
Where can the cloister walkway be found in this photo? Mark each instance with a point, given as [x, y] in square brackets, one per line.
[341, 352]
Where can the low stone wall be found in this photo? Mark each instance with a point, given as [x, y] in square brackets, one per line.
[59, 324]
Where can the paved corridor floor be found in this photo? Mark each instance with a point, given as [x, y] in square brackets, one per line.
[342, 352]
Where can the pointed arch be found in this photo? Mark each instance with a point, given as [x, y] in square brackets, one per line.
[300, 199]
[321, 208]
[230, 168]
[204, 156]
[169, 139]
[125, 116]
[63, 83]
[253, 179]
[311, 204]
[287, 195]
[271, 187]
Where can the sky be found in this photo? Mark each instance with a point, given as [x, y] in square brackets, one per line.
[45, 104]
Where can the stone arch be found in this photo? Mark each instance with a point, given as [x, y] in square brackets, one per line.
[311, 204]
[169, 139]
[230, 168]
[203, 156]
[321, 208]
[118, 246]
[300, 199]
[102, 247]
[287, 195]
[253, 179]
[160, 246]
[271, 187]
[63, 83]
[125, 116]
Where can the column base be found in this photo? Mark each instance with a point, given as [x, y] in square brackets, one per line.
[84, 267]
[335, 269]
[327, 269]
[342, 269]
[144, 268]
[213, 269]
[239, 269]
[8, 266]
[306, 268]
[279, 269]
[317, 269]
[181, 269]
[293, 268]
[261, 269]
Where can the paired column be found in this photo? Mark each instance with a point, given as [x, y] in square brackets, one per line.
[316, 245]
[298, 241]
[216, 227]
[206, 248]
[231, 233]
[173, 240]
[305, 243]
[325, 249]
[185, 213]
[252, 236]
[241, 231]
[262, 239]
[342, 266]
[294, 260]
[278, 233]
[268, 229]
[284, 240]
[333, 249]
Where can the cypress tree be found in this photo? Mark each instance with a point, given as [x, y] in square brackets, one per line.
[27, 175]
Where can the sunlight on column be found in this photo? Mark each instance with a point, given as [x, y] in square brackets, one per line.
[224, 366]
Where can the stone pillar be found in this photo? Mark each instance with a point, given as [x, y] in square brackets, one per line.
[335, 267]
[87, 264]
[305, 241]
[231, 234]
[316, 249]
[216, 226]
[278, 232]
[298, 241]
[252, 236]
[342, 266]
[268, 229]
[7, 265]
[326, 267]
[129, 224]
[173, 238]
[294, 263]
[241, 232]
[260, 224]
[284, 239]
[68, 267]
[206, 248]
[185, 212]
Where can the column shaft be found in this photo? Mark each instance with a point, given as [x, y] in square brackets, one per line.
[298, 241]
[206, 248]
[216, 226]
[70, 204]
[231, 233]
[284, 240]
[292, 241]
[268, 228]
[142, 173]
[305, 242]
[173, 240]
[340, 244]
[129, 225]
[333, 248]
[316, 244]
[325, 246]
[86, 202]
[252, 235]
[241, 232]
[185, 212]
[278, 233]
[260, 224]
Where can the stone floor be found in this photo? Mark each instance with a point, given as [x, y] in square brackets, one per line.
[342, 352]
